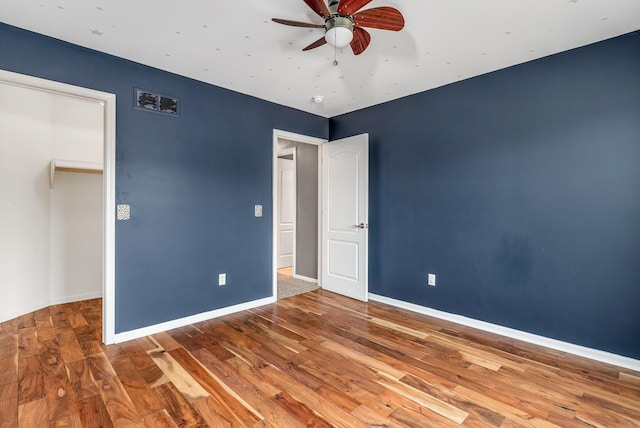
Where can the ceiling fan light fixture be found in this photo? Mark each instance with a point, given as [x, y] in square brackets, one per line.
[339, 31]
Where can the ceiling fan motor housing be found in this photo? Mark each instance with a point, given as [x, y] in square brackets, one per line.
[339, 30]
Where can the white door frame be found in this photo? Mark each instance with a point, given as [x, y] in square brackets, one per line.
[291, 151]
[277, 135]
[108, 101]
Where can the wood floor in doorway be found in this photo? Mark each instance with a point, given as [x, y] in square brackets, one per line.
[316, 359]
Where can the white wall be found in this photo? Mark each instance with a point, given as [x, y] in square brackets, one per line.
[25, 141]
[75, 265]
[50, 239]
[77, 130]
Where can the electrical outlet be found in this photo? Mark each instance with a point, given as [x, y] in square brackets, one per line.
[431, 279]
[222, 279]
[258, 210]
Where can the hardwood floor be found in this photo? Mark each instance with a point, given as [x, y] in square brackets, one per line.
[314, 360]
[286, 271]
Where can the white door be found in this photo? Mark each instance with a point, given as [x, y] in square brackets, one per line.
[345, 202]
[286, 211]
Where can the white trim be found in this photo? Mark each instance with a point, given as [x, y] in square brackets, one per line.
[558, 345]
[109, 184]
[277, 134]
[192, 319]
[75, 298]
[305, 278]
[109, 193]
[28, 309]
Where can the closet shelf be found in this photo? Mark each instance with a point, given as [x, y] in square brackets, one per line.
[72, 166]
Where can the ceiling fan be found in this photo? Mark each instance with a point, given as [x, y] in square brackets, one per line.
[343, 24]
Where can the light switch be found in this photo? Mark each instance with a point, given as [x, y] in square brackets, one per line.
[431, 279]
[258, 210]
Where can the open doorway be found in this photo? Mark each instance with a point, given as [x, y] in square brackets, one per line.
[296, 213]
[60, 175]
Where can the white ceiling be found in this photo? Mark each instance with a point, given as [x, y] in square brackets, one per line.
[235, 45]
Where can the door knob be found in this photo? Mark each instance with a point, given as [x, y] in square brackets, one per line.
[360, 226]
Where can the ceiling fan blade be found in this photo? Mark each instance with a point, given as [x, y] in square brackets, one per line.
[316, 44]
[349, 7]
[383, 18]
[320, 7]
[361, 39]
[296, 23]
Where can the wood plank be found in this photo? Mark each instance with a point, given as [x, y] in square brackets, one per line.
[71, 421]
[215, 414]
[144, 399]
[61, 399]
[81, 380]
[370, 362]
[93, 412]
[50, 359]
[100, 367]
[510, 413]
[33, 414]
[217, 389]
[59, 316]
[28, 341]
[179, 376]
[635, 378]
[164, 341]
[31, 380]
[477, 413]
[183, 414]
[77, 320]
[9, 405]
[241, 379]
[300, 411]
[26, 321]
[92, 347]
[70, 349]
[423, 399]
[153, 376]
[8, 358]
[118, 404]
[325, 409]
[45, 330]
[86, 333]
[160, 419]
[372, 418]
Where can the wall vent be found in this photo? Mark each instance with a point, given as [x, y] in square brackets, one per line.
[151, 101]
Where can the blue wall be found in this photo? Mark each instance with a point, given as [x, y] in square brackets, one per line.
[192, 181]
[520, 189]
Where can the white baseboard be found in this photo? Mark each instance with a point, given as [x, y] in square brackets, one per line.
[181, 322]
[24, 310]
[76, 298]
[582, 351]
[305, 278]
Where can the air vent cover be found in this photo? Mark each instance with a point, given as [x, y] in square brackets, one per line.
[151, 101]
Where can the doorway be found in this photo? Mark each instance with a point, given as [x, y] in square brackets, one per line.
[296, 200]
[286, 209]
[106, 103]
[340, 212]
